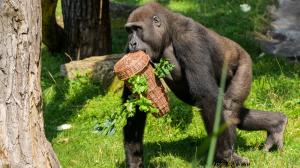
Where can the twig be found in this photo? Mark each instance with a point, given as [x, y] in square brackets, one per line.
[51, 77]
[279, 65]
[78, 53]
[69, 56]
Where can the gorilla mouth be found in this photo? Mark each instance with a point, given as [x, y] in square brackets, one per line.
[145, 51]
[136, 50]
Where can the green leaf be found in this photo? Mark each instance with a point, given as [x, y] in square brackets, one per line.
[153, 110]
[139, 84]
[163, 68]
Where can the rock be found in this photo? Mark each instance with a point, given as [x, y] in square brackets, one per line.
[283, 38]
[99, 68]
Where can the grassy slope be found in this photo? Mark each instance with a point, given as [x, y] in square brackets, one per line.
[175, 140]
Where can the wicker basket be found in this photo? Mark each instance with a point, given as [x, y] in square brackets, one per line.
[138, 63]
[159, 100]
[131, 64]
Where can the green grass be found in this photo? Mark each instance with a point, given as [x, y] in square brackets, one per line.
[177, 139]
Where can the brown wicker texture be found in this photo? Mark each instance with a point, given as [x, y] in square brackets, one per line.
[156, 92]
[159, 100]
[131, 64]
[138, 63]
[151, 80]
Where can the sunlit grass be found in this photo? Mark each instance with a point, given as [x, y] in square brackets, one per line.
[184, 6]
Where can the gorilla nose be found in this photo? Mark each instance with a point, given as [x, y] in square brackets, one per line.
[132, 45]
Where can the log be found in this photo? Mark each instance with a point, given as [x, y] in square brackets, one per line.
[283, 36]
[98, 68]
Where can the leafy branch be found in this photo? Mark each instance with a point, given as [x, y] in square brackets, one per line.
[163, 68]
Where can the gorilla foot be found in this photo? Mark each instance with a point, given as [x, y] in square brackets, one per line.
[233, 160]
[275, 137]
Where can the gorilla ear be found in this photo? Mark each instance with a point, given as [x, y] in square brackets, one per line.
[156, 21]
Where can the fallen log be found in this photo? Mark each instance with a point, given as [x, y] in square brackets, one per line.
[98, 68]
[283, 35]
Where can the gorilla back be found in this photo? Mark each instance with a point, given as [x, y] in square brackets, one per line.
[198, 54]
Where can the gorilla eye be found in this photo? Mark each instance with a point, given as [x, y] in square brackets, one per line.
[128, 30]
[136, 28]
[156, 20]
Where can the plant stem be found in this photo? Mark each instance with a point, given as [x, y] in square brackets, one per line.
[216, 128]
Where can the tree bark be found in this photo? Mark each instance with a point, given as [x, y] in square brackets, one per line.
[87, 27]
[22, 140]
[53, 34]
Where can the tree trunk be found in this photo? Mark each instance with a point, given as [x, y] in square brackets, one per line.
[87, 27]
[22, 140]
[53, 34]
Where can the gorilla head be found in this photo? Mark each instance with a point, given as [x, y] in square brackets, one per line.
[147, 29]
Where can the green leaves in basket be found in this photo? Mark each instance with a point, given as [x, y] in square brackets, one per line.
[139, 86]
[138, 83]
[163, 68]
[145, 105]
[129, 107]
[141, 102]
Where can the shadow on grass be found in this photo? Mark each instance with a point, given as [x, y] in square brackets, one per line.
[275, 66]
[181, 114]
[186, 149]
[241, 144]
[62, 108]
[63, 98]
[190, 149]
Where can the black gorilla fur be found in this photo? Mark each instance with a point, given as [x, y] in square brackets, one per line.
[198, 54]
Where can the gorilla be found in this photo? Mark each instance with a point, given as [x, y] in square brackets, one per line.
[198, 54]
